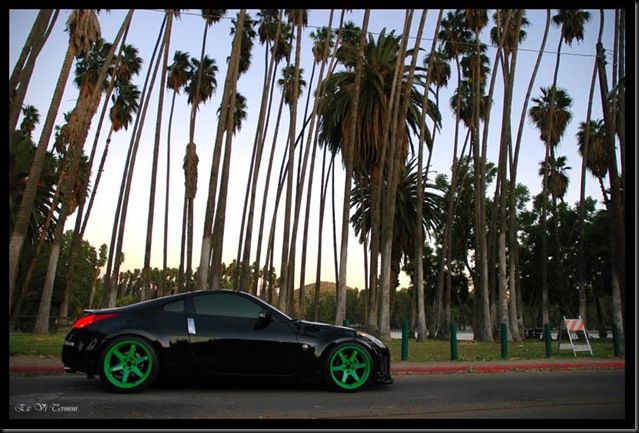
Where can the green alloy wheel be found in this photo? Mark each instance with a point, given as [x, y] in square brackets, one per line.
[128, 364]
[348, 367]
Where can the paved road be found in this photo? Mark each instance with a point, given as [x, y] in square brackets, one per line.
[589, 398]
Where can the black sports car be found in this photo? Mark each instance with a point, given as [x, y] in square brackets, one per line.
[218, 333]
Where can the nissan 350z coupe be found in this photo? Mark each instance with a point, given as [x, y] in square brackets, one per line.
[219, 334]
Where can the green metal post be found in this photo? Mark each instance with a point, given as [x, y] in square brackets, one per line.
[504, 341]
[404, 340]
[346, 322]
[615, 339]
[548, 339]
[453, 341]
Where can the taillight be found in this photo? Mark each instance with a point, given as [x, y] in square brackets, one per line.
[91, 318]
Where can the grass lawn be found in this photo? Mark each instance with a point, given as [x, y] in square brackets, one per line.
[417, 351]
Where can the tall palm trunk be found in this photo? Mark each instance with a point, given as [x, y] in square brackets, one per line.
[509, 74]
[267, 182]
[286, 288]
[229, 92]
[81, 221]
[119, 222]
[260, 135]
[79, 123]
[220, 214]
[23, 215]
[418, 260]
[479, 157]
[23, 69]
[314, 133]
[513, 244]
[397, 125]
[340, 313]
[165, 249]
[616, 201]
[146, 270]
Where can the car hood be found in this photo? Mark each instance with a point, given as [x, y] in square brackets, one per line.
[309, 326]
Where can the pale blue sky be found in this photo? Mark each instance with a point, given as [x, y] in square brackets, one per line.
[575, 76]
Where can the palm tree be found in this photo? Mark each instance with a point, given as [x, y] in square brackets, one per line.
[512, 219]
[348, 156]
[269, 31]
[552, 128]
[211, 16]
[21, 154]
[79, 122]
[507, 33]
[84, 29]
[30, 120]
[269, 282]
[477, 19]
[298, 19]
[455, 38]
[199, 90]
[239, 115]
[378, 63]
[323, 44]
[437, 73]
[238, 110]
[555, 170]
[23, 69]
[126, 98]
[116, 257]
[162, 59]
[617, 194]
[125, 103]
[180, 73]
[285, 83]
[597, 155]
[572, 23]
[225, 126]
[406, 211]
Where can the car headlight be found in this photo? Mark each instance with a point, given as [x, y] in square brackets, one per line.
[372, 338]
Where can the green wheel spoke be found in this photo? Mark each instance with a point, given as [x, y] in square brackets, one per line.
[121, 356]
[117, 367]
[136, 369]
[125, 377]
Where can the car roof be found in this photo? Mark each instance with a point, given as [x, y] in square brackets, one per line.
[156, 302]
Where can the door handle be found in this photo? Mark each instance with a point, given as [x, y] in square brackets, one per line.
[190, 324]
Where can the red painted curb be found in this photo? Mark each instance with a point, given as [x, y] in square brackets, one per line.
[488, 368]
[48, 369]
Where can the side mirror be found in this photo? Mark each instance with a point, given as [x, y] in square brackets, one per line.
[263, 320]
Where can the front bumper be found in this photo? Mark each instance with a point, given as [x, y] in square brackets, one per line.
[383, 376]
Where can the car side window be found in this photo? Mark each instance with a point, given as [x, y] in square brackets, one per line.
[226, 304]
[175, 307]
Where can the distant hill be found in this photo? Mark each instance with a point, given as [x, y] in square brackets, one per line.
[325, 286]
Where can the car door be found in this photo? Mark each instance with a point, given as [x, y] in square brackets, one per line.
[233, 334]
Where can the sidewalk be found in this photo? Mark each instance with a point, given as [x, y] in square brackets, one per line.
[38, 365]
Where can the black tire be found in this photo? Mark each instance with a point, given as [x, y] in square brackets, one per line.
[128, 364]
[347, 367]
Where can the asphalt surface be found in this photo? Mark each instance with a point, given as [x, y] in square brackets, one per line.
[38, 365]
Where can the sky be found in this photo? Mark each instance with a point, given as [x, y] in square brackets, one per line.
[575, 75]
